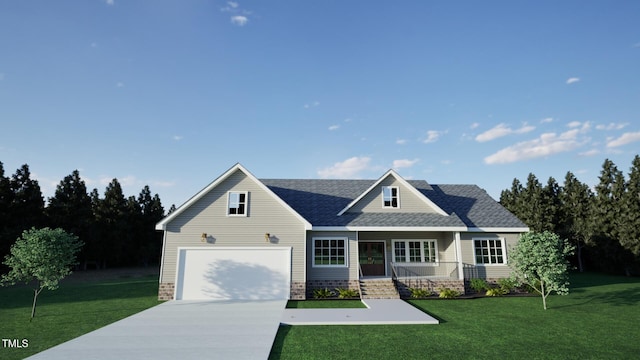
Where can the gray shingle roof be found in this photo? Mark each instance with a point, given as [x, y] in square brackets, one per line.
[319, 201]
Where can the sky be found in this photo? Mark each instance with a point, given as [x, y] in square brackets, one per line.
[171, 94]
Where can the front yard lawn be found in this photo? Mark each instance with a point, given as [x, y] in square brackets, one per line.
[597, 320]
[74, 309]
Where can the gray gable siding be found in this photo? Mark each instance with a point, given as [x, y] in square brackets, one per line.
[209, 215]
[409, 202]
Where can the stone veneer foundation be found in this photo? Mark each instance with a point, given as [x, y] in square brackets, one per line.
[331, 285]
[165, 291]
[433, 285]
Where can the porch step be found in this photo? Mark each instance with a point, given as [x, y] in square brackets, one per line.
[378, 289]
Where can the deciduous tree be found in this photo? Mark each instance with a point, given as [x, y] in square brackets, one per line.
[41, 256]
[539, 260]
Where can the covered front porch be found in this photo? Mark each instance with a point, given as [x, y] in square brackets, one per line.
[409, 255]
[427, 260]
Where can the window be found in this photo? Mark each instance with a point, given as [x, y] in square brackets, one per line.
[237, 204]
[415, 251]
[489, 251]
[329, 252]
[390, 197]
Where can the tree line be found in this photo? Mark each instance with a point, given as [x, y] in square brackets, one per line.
[602, 223]
[117, 231]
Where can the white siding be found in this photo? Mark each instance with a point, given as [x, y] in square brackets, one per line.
[209, 215]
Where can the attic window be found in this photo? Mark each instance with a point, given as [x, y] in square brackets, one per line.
[390, 198]
[237, 204]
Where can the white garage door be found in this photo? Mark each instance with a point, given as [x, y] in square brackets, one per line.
[226, 273]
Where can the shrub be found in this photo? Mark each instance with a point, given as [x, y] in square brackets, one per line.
[418, 293]
[346, 293]
[478, 284]
[506, 284]
[322, 293]
[496, 291]
[446, 293]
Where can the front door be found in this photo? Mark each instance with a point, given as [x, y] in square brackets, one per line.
[372, 260]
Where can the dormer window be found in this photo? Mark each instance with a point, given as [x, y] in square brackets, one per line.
[390, 197]
[237, 204]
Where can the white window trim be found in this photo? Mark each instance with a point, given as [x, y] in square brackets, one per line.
[346, 252]
[502, 245]
[246, 203]
[422, 255]
[397, 197]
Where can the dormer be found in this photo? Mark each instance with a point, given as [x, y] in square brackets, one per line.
[391, 193]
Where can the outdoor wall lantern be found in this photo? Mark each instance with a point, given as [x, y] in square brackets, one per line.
[203, 237]
[267, 237]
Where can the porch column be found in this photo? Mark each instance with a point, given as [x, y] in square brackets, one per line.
[456, 241]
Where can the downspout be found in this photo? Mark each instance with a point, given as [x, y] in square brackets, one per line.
[458, 245]
[358, 255]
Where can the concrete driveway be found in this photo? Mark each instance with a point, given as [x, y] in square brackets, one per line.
[233, 329]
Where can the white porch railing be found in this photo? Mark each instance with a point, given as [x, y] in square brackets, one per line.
[447, 270]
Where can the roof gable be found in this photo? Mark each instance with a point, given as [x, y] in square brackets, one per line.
[163, 223]
[391, 177]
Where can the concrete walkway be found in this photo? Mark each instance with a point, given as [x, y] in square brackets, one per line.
[232, 329]
[378, 311]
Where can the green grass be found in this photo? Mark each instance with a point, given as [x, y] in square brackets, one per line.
[597, 320]
[71, 311]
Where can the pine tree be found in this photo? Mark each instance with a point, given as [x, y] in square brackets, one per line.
[552, 205]
[576, 219]
[535, 208]
[7, 236]
[70, 209]
[27, 205]
[630, 226]
[152, 213]
[112, 224]
[607, 218]
[510, 199]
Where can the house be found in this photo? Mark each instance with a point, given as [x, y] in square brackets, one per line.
[247, 238]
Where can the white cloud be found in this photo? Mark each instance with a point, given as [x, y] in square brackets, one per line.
[110, 2]
[334, 127]
[474, 125]
[624, 139]
[433, 136]
[232, 6]
[178, 137]
[612, 126]
[119, 84]
[572, 80]
[239, 20]
[313, 104]
[345, 169]
[404, 163]
[546, 120]
[574, 124]
[401, 141]
[592, 152]
[501, 130]
[547, 144]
